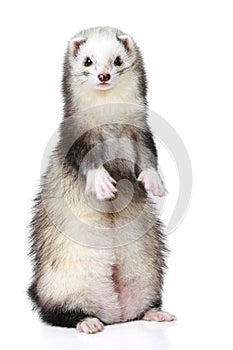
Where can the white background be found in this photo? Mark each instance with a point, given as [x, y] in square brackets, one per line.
[187, 47]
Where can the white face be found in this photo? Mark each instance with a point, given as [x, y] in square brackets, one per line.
[101, 62]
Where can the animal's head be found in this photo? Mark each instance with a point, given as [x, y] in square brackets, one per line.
[100, 57]
[103, 65]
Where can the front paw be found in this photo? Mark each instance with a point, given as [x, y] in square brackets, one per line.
[152, 182]
[101, 184]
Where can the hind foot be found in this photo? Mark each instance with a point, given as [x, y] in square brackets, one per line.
[90, 325]
[159, 316]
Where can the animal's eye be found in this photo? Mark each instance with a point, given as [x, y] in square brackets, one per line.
[118, 61]
[88, 62]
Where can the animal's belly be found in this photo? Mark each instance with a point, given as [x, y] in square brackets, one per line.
[131, 296]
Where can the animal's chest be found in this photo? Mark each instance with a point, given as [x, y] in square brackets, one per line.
[116, 145]
[119, 140]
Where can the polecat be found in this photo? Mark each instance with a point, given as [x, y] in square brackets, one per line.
[97, 244]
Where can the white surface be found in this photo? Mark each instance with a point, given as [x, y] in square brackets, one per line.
[187, 47]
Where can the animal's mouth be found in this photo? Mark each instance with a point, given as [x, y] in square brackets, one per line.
[104, 84]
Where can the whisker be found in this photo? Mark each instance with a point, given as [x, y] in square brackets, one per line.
[84, 81]
[81, 74]
[125, 69]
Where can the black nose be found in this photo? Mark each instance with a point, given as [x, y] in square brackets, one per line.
[104, 77]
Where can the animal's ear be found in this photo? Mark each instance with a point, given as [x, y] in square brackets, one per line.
[126, 41]
[75, 45]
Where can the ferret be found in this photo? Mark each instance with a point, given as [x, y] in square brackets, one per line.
[97, 245]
